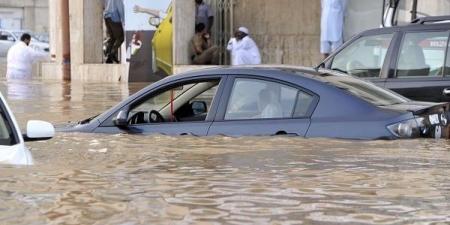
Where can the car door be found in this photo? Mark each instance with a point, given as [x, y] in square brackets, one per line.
[418, 71]
[365, 57]
[255, 106]
[186, 107]
[162, 44]
[446, 79]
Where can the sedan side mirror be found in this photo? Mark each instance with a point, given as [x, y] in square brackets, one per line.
[199, 107]
[39, 130]
[121, 120]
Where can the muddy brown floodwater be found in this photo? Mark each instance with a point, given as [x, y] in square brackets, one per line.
[125, 179]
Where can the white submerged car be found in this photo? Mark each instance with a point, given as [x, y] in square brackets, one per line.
[12, 141]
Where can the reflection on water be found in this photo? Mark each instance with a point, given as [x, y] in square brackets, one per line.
[124, 179]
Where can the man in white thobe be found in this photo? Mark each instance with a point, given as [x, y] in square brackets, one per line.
[244, 50]
[332, 25]
[21, 57]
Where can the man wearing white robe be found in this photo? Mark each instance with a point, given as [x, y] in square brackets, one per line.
[21, 57]
[332, 25]
[244, 50]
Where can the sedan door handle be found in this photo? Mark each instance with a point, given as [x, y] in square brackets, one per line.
[188, 134]
[446, 92]
[284, 133]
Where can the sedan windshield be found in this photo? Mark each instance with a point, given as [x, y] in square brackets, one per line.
[365, 90]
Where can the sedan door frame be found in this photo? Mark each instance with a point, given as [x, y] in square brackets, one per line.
[107, 126]
[226, 95]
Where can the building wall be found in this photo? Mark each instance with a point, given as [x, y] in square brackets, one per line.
[362, 15]
[286, 31]
[34, 13]
[424, 8]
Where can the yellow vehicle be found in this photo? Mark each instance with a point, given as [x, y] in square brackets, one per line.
[162, 43]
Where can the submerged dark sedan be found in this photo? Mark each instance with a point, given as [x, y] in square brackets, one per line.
[266, 100]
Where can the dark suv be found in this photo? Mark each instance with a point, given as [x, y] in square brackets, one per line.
[412, 60]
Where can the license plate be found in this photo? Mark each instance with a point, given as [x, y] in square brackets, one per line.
[434, 119]
[438, 132]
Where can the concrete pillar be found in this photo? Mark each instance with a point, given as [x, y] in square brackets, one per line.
[59, 42]
[77, 33]
[86, 29]
[28, 18]
[53, 27]
[183, 30]
[93, 31]
[86, 44]
[286, 31]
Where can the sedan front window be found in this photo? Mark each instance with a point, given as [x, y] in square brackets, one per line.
[182, 103]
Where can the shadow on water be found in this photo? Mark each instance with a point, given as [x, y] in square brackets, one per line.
[124, 179]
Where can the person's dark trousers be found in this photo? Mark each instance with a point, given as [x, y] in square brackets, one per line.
[116, 37]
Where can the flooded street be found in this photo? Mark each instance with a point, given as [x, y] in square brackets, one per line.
[125, 179]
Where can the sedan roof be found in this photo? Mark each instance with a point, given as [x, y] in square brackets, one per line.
[352, 85]
[263, 69]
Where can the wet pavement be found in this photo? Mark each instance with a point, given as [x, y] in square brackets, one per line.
[125, 179]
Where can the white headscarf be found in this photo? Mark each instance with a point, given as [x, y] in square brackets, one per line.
[243, 30]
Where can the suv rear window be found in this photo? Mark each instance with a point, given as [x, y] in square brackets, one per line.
[422, 54]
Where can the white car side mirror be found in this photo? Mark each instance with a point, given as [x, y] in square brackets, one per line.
[39, 130]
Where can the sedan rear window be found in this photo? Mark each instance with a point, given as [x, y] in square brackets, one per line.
[260, 99]
[365, 90]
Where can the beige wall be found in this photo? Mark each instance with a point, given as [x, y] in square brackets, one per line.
[286, 31]
[35, 13]
[424, 7]
[362, 15]
[86, 41]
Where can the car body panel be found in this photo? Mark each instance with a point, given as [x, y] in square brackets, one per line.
[413, 106]
[162, 44]
[15, 152]
[355, 128]
[266, 127]
[420, 89]
[18, 153]
[185, 128]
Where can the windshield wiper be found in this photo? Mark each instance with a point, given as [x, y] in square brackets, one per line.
[321, 65]
[87, 120]
[339, 70]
